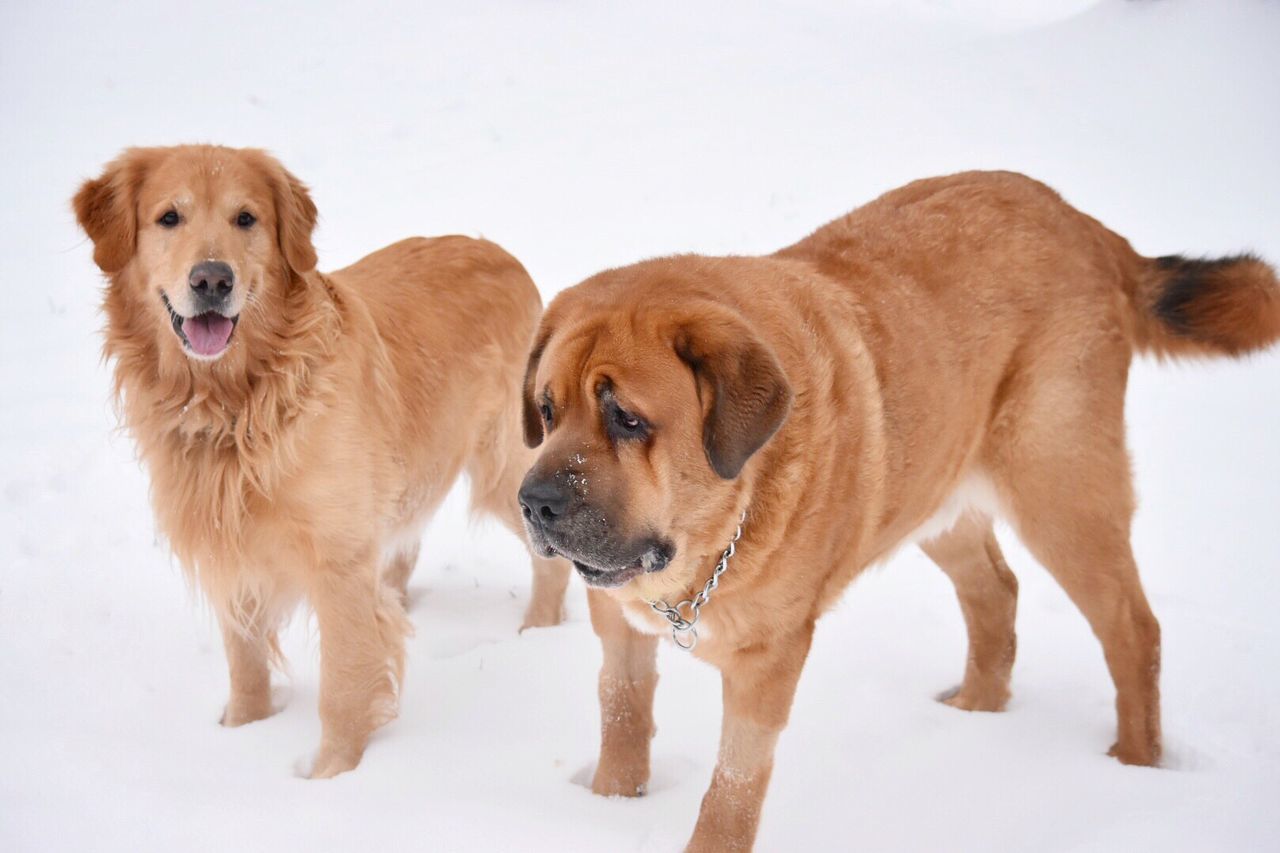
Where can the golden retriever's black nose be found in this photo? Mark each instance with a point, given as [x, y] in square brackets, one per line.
[544, 500]
[212, 282]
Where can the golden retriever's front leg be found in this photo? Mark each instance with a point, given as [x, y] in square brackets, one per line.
[546, 604]
[362, 631]
[248, 652]
[759, 685]
[628, 678]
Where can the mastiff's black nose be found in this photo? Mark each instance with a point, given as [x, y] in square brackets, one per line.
[211, 281]
[544, 499]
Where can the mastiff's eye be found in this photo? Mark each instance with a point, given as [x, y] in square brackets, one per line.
[170, 219]
[547, 413]
[245, 219]
[624, 425]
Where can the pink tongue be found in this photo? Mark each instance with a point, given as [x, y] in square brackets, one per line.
[208, 333]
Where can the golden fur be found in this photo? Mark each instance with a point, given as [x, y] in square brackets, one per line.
[956, 348]
[304, 461]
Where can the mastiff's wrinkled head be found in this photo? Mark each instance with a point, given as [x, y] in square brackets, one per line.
[648, 397]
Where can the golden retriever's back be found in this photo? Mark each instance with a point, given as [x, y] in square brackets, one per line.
[453, 314]
[467, 284]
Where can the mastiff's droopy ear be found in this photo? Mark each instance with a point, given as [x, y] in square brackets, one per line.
[748, 391]
[107, 208]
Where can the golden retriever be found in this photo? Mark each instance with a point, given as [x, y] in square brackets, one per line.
[955, 349]
[301, 427]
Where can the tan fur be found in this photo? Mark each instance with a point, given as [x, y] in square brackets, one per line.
[304, 462]
[957, 347]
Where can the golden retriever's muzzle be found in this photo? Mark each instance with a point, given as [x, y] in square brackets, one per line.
[562, 523]
[207, 332]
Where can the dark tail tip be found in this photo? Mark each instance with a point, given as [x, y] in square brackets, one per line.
[1227, 306]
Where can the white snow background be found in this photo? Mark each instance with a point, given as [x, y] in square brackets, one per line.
[582, 135]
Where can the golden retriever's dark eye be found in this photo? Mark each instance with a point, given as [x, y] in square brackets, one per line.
[245, 219]
[170, 219]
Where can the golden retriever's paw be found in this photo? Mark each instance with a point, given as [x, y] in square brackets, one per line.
[330, 762]
[247, 710]
[1144, 755]
[991, 700]
[542, 617]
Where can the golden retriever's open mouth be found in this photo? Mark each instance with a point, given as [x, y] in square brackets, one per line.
[206, 335]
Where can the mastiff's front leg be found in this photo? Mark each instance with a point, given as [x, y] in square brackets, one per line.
[759, 685]
[628, 678]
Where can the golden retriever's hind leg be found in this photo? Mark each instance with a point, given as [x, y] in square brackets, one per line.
[362, 632]
[249, 651]
[546, 602]
[988, 594]
[550, 575]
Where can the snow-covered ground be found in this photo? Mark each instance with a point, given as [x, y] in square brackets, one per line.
[582, 135]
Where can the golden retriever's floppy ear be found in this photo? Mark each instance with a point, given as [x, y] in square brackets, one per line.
[749, 393]
[106, 208]
[296, 218]
[295, 212]
[532, 417]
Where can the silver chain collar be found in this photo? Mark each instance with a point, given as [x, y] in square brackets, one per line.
[683, 630]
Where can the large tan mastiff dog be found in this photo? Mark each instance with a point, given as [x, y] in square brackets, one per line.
[955, 349]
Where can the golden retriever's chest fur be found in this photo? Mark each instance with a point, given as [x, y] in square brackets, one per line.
[246, 484]
[254, 518]
[227, 508]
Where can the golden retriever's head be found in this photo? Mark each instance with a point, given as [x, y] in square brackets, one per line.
[193, 236]
[648, 398]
